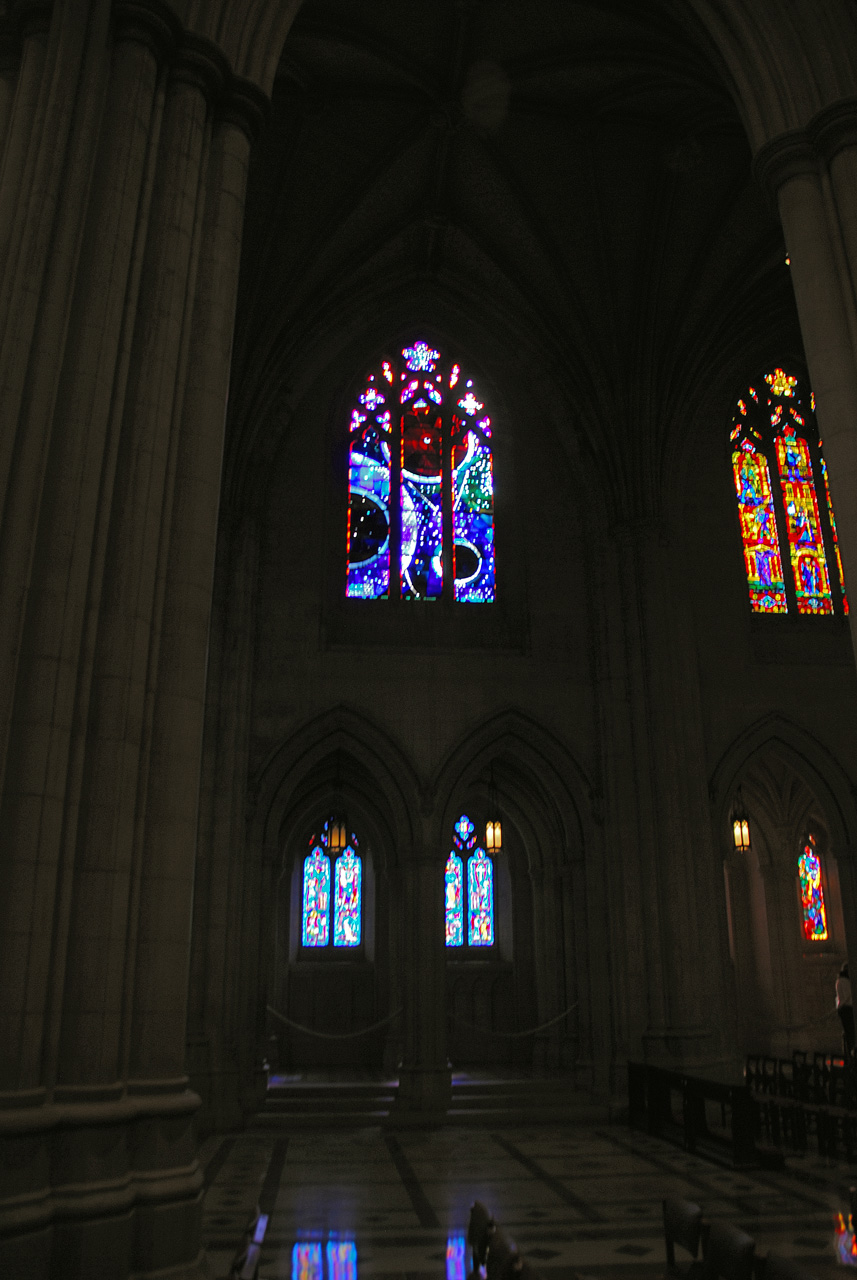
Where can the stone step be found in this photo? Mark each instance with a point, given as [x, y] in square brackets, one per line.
[307, 1104]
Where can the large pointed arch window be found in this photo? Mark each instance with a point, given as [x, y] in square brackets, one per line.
[420, 484]
[332, 889]
[468, 889]
[791, 549]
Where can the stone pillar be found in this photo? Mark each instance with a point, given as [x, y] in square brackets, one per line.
[424, 1078]
[669, 943]
[846, 863]
[123, 263]
[817, 199]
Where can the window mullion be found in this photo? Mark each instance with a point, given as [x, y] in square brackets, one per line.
[782, 529]
[447, 592]
[396, 507]
[826, 529]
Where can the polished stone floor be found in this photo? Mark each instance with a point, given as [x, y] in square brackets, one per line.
[576, 1201]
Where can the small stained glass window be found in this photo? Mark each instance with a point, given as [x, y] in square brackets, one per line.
[421, 484]
[478, 906]
[774, 433]
[346, 916]
[454, 901]
[316, 899]
[480, 900]
[812, 893]
[332, 916]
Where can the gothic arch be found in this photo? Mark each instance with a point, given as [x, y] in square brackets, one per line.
[340, 746]
[541, 781]
[810, 760]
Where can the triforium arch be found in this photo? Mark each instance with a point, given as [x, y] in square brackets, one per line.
[546, 961]
[797, 802]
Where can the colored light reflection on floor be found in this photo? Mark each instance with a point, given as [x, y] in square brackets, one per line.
[455, 1267]
[846, 1244]
[308, 1258]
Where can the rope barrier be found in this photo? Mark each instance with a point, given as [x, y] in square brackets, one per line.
[332, 1035]
[515, 1035]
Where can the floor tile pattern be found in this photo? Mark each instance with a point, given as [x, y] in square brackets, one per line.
[576, 1201]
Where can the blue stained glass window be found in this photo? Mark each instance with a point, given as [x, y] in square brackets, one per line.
[454, 891]
[346, 916]
[316, 900]
[480, 889]
[473, 519]
[369, 500]
[419, 427]
[480, 900]
[332, 916]
[421, 504]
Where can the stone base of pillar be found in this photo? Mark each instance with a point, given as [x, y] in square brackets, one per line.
[423, 1095]
[87, 1179]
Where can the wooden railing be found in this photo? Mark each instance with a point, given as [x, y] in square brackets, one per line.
[708, 1116]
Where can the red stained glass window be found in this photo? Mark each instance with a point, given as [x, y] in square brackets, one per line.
[774, 434]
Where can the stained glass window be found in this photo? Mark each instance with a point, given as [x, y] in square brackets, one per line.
[316, 906]
[480, 889]
[773, 431]
[346, 916]
[833, 532]
[345, 904]
[809, 563]
[480, 900]
[812, 893]
[759, 530]
[421, 484]
[454, 901]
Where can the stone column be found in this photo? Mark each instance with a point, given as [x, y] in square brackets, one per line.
[846, 863]
[424, 1078]
[667, 876]
[818, 218]
[124, 262]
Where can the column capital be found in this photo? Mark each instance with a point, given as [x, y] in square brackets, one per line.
[788, 156]
[149, 22]
[243, 104]
[202, 65]
[834, 128]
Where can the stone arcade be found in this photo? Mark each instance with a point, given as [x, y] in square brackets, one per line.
[214, 217]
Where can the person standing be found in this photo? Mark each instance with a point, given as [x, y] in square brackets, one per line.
[845, 1009]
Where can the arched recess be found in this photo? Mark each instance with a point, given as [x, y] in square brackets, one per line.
[791, 788]
[337, 763]
[549, 905]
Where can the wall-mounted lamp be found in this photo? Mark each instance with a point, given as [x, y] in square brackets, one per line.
[740, 825]
[493, 835]
[337, 836]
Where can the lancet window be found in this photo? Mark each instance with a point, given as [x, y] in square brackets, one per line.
[812, 893]
[791, 549]
[332, 890]
[421, 484]
[468, 889]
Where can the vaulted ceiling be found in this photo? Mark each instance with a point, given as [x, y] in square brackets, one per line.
[570, 177]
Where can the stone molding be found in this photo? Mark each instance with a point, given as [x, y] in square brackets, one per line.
[74, 1137]
[193, 60]
[802, 151]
